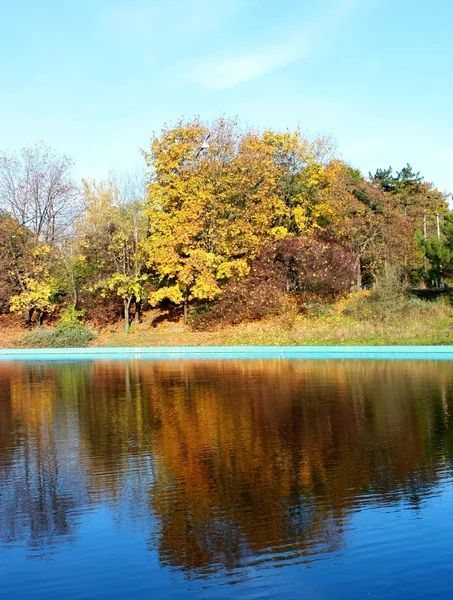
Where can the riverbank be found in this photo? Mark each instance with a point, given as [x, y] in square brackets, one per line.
[323, 331]
[343, 324]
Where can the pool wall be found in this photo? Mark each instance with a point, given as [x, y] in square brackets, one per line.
[233, 352]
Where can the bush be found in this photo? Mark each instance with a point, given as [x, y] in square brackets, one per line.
[70, 335]
[302, 266]
[249, 300]
[259, 295]
[390, 286]
[389, 302]
[315, 266]
[102, 311]
[389, 298]
[70, 316]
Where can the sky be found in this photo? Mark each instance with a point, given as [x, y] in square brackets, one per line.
[94, 79]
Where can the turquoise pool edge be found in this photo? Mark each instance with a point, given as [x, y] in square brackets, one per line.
[230, 352]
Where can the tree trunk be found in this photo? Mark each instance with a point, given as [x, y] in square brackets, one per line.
[425, 267]
[75, 302]
[186, 310]
[127, 306]
[358, 271]
[29, 316]
[138, 310]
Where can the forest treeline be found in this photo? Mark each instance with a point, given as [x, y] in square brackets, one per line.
[224, 224]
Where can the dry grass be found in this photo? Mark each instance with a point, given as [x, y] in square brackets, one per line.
[353, 321]
[11, 331]
[414, 323]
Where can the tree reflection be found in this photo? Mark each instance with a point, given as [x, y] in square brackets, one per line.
[281, 452]
[224, 463]
[42, 482]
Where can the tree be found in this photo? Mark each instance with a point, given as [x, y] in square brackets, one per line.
[40, 198]
[365, 219]
[13, 247]
[438, 250]
[38, 287]
[195, 210]
[111, 235]
[301, 175]
[422, 203]
[385, 179]
[211, 207]
[25, 266]
[38, 190]
[416, 197]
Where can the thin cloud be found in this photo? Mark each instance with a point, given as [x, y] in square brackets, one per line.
[226, 72]
[158, 21]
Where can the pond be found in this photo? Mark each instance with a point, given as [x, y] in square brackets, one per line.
[266, 478]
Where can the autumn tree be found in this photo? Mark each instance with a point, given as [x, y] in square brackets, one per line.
[301, 166]
[111, 231]
[223, 217]
[421, 203]
[39, 197]
[216, 195]
[27, 284]
[415, 196]
[366, 220]
[38, 286]
[191, 204]
[38, 190]
[15, 248]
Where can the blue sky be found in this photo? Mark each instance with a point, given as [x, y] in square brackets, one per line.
[95, 78]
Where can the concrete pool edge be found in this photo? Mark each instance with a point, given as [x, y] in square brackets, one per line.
[229, 352]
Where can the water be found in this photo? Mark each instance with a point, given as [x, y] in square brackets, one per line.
[226, 479]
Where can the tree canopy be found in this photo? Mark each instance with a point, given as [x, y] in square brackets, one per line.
[222, 214]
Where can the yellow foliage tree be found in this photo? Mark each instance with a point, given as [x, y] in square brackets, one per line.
[215, 196]
[111, 234]
[38, 288]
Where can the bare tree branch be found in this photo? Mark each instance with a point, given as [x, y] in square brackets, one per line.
[37, 188]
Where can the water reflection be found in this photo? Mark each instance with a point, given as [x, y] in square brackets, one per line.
[222, 464]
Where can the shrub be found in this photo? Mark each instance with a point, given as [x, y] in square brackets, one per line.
[102, 311]
[70, 335]
[70, 316]
[389, 302]
[255, 297]
[249, 300]
[306, 266]
[316, 266]
[390, 286]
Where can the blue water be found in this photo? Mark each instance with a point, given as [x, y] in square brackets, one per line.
[211, 479]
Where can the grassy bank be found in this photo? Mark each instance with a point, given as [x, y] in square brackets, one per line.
[352, 321]
[356, 320]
